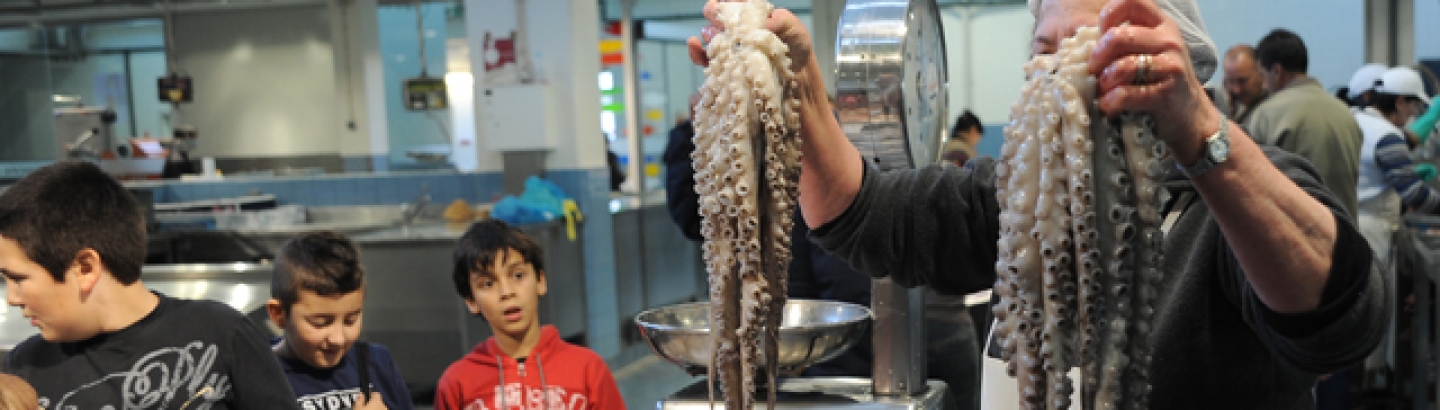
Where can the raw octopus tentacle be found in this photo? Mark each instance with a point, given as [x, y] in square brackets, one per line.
[1078, 271]
[747, 163]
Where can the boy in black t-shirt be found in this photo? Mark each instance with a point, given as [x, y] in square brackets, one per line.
[317, 292]
[72, 242]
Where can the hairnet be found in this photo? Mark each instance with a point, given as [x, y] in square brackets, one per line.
[1203, 54]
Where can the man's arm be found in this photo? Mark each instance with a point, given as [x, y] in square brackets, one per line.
[832, 168]
[1283, 238]
[936, 226]
[1353, 310]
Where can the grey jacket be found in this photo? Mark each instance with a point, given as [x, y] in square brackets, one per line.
[1216, 345]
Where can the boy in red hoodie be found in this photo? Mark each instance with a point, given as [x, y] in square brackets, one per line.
[501, 276]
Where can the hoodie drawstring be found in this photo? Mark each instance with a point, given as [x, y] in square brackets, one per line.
[539, 365]
[500, 363]
[544, 390]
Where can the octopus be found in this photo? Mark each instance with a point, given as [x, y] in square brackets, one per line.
[1079, 264]
[747, 170]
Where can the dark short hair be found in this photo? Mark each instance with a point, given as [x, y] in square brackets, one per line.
[323, 262]
[966, 121]
[1283, 47]
[483, 243]
[65, 207]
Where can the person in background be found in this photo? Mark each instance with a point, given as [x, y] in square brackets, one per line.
[317, 295]
[1411, 103]
[1244, 86]
[1410, 113]
[964, 137]
[1303, 118]
[500, 274]
[1268, 282]
[680, 196]
[17, 394]
[617, 173]
[72, 243]
[1362, 86]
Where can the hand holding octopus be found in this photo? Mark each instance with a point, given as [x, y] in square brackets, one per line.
[1143, 65]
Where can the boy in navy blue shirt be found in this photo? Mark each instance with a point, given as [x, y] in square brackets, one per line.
[317, 292]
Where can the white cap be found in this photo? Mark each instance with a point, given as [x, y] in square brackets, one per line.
[1403, 81]
[1365, 78]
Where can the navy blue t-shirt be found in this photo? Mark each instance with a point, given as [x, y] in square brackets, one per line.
[336, 388]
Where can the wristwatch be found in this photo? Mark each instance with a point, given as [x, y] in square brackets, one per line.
[1217, 150]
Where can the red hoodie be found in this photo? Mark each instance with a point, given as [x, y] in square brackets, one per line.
[557, 375]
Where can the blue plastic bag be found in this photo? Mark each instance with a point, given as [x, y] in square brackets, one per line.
[542, 201]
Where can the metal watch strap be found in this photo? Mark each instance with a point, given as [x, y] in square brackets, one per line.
[1206, 163]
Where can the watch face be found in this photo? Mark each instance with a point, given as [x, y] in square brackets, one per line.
[1219, 150]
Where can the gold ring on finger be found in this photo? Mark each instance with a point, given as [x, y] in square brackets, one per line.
[1142, 70]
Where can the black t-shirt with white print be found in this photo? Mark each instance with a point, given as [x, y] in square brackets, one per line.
[184, 355]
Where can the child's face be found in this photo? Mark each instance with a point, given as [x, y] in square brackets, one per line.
[51, 306]
[320, 329]
[508, 294]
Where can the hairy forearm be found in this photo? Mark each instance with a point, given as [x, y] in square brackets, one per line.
[1283, 237]
[832, 169]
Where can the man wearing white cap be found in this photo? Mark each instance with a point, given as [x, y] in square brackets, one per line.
[1362, 85]
[1405, 82]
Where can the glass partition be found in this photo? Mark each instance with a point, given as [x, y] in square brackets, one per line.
[112, 65]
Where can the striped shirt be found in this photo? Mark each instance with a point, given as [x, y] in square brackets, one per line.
[1393, 157]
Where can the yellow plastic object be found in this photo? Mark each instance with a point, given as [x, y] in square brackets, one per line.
[572, 215]
[459, 212]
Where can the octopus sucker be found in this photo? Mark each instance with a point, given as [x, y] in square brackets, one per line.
[1079, 267]
[747, 163]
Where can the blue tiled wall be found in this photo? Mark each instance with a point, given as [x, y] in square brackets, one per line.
[389, 189]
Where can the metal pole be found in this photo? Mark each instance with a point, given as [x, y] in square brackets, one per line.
[899, 338]
[635, 177]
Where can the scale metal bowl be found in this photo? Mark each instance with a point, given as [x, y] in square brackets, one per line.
[811, 331]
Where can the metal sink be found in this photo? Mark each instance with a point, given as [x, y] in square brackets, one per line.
[350, 220]
[343, 219]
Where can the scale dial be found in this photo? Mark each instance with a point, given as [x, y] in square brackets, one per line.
[891, 89]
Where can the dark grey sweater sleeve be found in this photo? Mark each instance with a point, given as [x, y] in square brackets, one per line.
[1355, 304]
[935, 226]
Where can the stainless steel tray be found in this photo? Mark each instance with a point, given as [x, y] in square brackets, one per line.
[812, 331]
